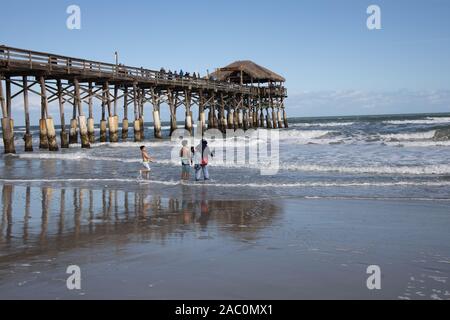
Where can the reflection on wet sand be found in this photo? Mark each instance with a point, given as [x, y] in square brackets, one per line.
[47, 220]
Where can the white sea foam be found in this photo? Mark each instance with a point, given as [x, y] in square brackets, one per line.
[409, 136]
[420, 144]
[77, 156]
[322, 124]
[438, 169]
[234, 185]
[428, 120]
[323, 184]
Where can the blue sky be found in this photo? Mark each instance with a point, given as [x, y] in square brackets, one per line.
[333, 64]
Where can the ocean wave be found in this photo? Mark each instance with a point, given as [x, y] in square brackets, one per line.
[440, 169]
[419, 144]
[234, 185]
[322, 124]
[78, 156]
[409, 136]
[428, 120]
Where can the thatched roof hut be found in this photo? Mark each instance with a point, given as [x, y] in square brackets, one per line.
[246, 72]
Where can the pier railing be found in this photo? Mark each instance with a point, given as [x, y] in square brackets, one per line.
[15, 59]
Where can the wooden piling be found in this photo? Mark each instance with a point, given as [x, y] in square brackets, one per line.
[262, 118]
[285, 118]
[201, 114]
[280, 120]
[82, 123]
[8, 136]
[7, 122]
[125, 124]
[172, 101]
[113, 120]
[156, 117]
[188, 121]
[230, 118]
[141, 115]
[274, 116]
[47, 123]
[103, 123]
[51, 134]
[91, 121]
[222, 121]
[43, 138]
[73, 131]
[269, 122]
[236, 119]
[137, 123]
[27, 137]
[63, 133]
[213, 122]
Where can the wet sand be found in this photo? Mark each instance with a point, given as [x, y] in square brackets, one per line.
[132, 245]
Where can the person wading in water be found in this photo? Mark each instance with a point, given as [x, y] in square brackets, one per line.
[201, 160]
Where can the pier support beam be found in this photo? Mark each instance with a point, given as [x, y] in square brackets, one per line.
[103, 123]
[48, 124]
[279, 118]
[63, 133]
[27, 137]
[90, 120]
[201, 114]
[171, 98]
[73, 134]
[236, 119]
[285, 118]
[125, 124]
[222, 118]
[156, 116]
[7, 121]
[113, 123]
[73, 131]
[274, 118]
[113, 120]
[141, 114]
[230, 118]
[210, 118]
[137, 122]
[215, 119]
[268, 119]
[245, 120]
[261, 118]
[7, 129]
[82, 124]
[188, 121]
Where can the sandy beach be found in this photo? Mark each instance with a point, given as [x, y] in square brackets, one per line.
[131, 245]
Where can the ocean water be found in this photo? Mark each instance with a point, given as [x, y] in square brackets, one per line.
[350, 192]
[374, 157]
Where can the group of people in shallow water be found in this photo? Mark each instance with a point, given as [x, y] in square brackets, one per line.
[198, 157]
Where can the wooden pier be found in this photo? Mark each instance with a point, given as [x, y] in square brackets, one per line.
[242, 95]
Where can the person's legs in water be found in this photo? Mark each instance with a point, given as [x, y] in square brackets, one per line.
[145, 173]
[183, 172]
[198, 172]
[205, 172]
[186, 172]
